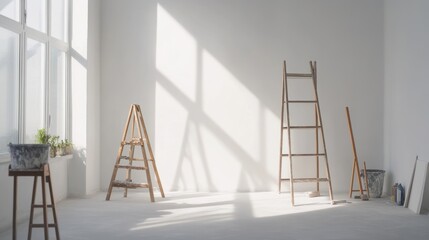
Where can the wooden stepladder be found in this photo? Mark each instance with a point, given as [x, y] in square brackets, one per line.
[355, 167]
[317, 128]
[138, 137]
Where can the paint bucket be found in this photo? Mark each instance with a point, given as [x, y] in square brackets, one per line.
[26, 156]
[375, 182]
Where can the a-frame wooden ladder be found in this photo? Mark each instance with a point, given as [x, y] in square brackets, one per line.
[317, 128]
[138, 137]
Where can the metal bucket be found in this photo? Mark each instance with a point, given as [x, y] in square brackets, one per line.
[375, 182]
[25, 156]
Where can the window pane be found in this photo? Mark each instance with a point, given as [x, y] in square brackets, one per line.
[10, 9]
[36, 14]
[9, 73]
[34, 89]
[59, 19]
[57, 93]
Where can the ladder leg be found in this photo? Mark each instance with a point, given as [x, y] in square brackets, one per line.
[282, 128]
[317, 150]
[149, 181]
[366, 179]
[149, 146]
[33, 197]
[158, 179]
[352, 179]
[292, 192]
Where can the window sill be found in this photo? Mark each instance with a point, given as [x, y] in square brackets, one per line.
[65, 157]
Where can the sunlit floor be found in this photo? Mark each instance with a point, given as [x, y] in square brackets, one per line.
[230, 216]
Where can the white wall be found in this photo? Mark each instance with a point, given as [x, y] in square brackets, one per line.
[128, 72]
[406, 84]
[208, 77]
[84, 173]
[94, 76]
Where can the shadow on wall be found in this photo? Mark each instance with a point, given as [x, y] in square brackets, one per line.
[215, 130]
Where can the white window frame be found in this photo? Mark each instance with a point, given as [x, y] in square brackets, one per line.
[25, 32]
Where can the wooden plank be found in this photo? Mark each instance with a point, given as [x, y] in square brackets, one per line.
[306, 179]
[302, 101]
[410, 185]
[299, 75]
[305, 154]
[39, 225]
[418, 187]
[118, 183]
[302, 127]
[129, 167]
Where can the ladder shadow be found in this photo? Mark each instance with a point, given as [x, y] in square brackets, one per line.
[197, 115]
[186, 153]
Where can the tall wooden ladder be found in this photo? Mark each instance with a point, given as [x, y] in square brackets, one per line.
[138, 137]
[317, 128]
[355, 167]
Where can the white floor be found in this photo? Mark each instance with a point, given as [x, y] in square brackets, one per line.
[230, 216]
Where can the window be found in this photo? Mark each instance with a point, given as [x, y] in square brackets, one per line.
[36, 14]
[9, 90]
[34, 89]
[57, 93]
[33, 69]
[10, 9]
[59, 18]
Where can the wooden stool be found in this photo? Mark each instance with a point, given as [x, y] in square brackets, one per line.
[45, 175]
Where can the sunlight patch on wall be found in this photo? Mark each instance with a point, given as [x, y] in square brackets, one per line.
[176, 53]
[230, 104]
[80, 27]
[79, 102]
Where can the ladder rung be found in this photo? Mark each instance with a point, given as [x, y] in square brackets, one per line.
[301, 101]
[131, 167]
[306, 179]
[41, 206]
[299, 75]
[40, 225]
[134, 141]
[126, 184]
[304, 154]
[298, 127]
[133, 159]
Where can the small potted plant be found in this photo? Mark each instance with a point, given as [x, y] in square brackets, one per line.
[61, 148]
[42, 137]
[69, 147]
[53, 141]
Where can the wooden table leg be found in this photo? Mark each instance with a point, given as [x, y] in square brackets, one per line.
[33, 198]
[15, 189]
[54, 211]
[45, 210]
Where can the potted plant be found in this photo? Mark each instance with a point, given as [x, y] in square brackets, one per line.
[42, 137]
[61, 148]
[69, 146]
[53, 142]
